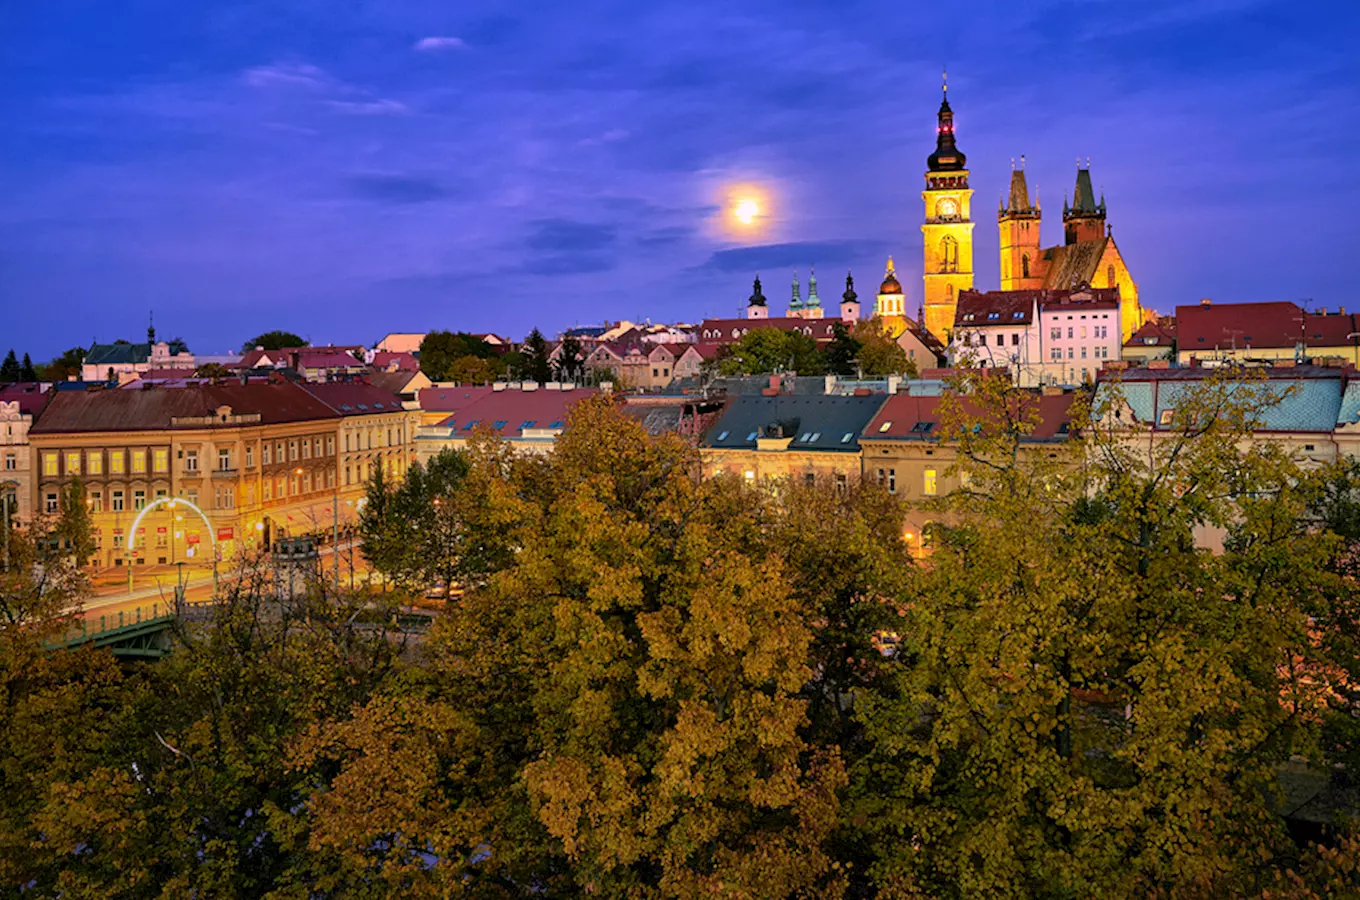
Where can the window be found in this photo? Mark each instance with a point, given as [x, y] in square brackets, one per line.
[11, 462]
[292, 451]
[809, 478]
[840, 481]
[139, 462]
[139, 500]
[96, 501]
[749, 475]
[1166, 417]
[722, 436]
[50, 463]
[1070, 352]
[223, 459]
[949, 254]
[1024, 266]
[1015, 339]
[117, 501]
[162, 539]
[883, 429]
[1001, 340]
[278, 452]
[330, 445]
[881, 475]
[1109, 277]
[922, 427]
[1055, 334]
[306, 449]
[161, 493]
[250, 457]
[930, 485]
[118, 545]
[1083, 329]
[847, 437]
[192, 496]
[307, 483]
[264, 453]
[1083, 352]
[269, 489]
[527, 423]
[191, 460]
[892, 481]
[965, 480]
[50, 502]
[1055, 353]
[73, 462]
[160, 460]
[1069, 330]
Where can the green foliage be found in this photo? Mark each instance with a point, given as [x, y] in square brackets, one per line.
[842, 354]
[662, 686]
[10, 369]
[26, 371]
[64, 366]
[273, 340]
[212, 370]
[879, 354]
[764, 350]
[441, 352]
[569, 359]
[537, 366]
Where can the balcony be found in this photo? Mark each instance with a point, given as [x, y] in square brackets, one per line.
[220, 472]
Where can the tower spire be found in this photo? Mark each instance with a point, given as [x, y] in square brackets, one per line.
[151, 326]
[797, 300]
[813, 299]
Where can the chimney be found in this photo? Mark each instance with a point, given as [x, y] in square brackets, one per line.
[1205, 302]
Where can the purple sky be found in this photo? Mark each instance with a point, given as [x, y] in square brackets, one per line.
[345, 169]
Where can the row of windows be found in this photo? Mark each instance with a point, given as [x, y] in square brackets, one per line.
[1099, 331]
[930, 483]
[1097, 352]
[367, 439]
[120, 462]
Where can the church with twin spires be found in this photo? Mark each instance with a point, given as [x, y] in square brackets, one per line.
[1087, 256]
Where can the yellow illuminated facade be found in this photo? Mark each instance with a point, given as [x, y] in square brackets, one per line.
[890, 304]
[947, 230]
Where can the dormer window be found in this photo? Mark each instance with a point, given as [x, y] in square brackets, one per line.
[723, 435]
[883, 429]
[751, 436]
[993, 315]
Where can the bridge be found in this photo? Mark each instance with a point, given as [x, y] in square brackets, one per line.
[139, 633]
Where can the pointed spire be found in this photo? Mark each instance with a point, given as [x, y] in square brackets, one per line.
[813, 299]
[151, 327]
[849, 296]
[947, 156]
[1017, 204]
[891, 270]
[757, 298]
[797, 301]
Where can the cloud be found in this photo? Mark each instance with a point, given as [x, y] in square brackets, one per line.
[665, 237]
[569, 235]
[287, 75]
[569, 265]
[790, 255]
[397, 190]
[439, 44]
[378, 107]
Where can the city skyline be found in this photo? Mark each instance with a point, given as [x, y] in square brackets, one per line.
[346, 174]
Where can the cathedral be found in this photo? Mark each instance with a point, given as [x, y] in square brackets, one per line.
[1088, 254]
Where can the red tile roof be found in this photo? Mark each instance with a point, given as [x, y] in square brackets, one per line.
[355, 398]
[30, 396]
[450, 399]
[904, 416]
[153, 409]
[1331, 329]
[977, 308]
[516, 410]
[728, 331]
[1153, 334]
[1205, 327]
[386, 360]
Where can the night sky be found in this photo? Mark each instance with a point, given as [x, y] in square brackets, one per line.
[345, 169]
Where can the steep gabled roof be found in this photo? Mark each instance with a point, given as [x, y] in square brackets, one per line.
[978, 308]
[1070, 265]
[1153, 334]
[117, 354]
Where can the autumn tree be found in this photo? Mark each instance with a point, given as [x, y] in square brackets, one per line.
[879, 354]
[64, 366]
[440, 351]
[1087, 703]
[212, 370]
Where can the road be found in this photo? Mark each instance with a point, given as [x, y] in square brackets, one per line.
[154, 586]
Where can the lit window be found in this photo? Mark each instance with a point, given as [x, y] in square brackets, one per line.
[73, 462]
[847, 437]
[139, 500]
[50, 503]
[117, 501]
[96, 501]
[191, 460]
[50, 463]
[264, 453]
[223, 459]
[751, 436]
[1167, 415]
[883, 429]
[930, 486]
[160, 460]
[138, 462]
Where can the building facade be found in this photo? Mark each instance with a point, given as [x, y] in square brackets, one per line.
[255, 461]
[948, 228]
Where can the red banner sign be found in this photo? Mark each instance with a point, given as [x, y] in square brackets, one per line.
[225, 534]
[160, 530]
[192, 537]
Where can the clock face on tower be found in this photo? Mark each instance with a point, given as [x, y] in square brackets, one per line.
[946, 209]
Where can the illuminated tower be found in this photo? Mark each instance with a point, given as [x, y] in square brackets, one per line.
[891, 304]
[1084, 220]
[1018, 221]
[948, 228]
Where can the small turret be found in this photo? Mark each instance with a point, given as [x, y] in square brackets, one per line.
[756, 306]
[849, 301]
[796, 300]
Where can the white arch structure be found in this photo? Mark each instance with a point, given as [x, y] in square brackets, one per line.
[170, 502]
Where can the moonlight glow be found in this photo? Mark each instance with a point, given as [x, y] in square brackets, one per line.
[746, 211]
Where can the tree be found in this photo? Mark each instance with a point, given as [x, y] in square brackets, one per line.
[764, 350]
[842, 354]
[569, 359]
[441, 350]
[471, 370]
[9, 369]
[1087, 704]
[212, 370]
[65, 366]
[536, 364]
[73, 528]
[26, 371]
[273, 340]
[879, 354]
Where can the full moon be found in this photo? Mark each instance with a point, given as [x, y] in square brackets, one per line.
[746, 211]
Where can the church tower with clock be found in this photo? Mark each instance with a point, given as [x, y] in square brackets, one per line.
[948, 228]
